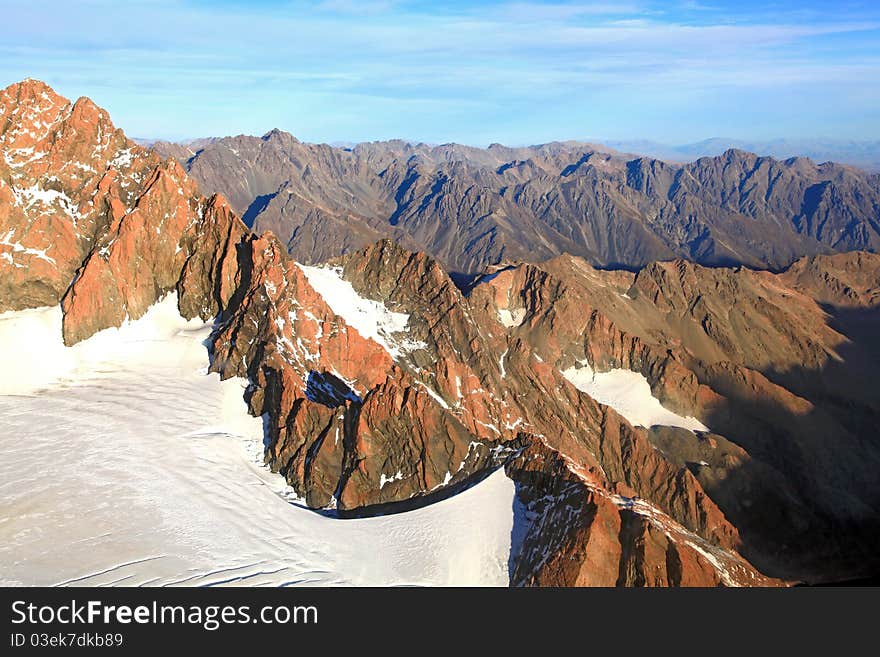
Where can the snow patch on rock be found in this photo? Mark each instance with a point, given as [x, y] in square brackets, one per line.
[123, 159]
[17, 247]
[511, 319]
[628, 393]
[370, 318]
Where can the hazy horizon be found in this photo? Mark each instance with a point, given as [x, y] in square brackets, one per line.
[599, 141]
[471, 73]
[864, 154]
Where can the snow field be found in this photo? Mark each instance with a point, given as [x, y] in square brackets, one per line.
[125, 463]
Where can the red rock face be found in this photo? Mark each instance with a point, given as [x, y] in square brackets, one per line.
[446, 385]
[91, 219]
[143, 254]
[59, 163]
[577, 533]
[317, 380]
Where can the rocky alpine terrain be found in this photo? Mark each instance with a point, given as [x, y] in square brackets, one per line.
[470, 207]
[384, 384]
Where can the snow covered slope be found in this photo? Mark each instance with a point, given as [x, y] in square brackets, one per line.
[628, 393]
[126, 464]
[370, 318]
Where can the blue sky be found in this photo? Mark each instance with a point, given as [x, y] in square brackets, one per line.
[515, 72]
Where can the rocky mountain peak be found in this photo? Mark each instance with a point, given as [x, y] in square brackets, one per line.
[738, 155]
[88, 217]
[844, 279]
[279, 136]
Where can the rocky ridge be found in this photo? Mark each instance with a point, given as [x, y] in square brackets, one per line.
[96, 222]
[471, 207]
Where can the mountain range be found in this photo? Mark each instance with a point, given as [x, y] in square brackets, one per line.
[864, 154]
[471, 207]
[665, 422]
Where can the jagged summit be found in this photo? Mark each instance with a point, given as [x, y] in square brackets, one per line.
[88, 217]
[279, 135]
[30, 87]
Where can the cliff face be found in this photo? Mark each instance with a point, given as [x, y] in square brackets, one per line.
[574, 532]
[92, 220]
[53, 204]
[678, 426]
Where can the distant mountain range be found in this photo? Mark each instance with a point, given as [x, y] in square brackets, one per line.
[864, 154]
[472, 207]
